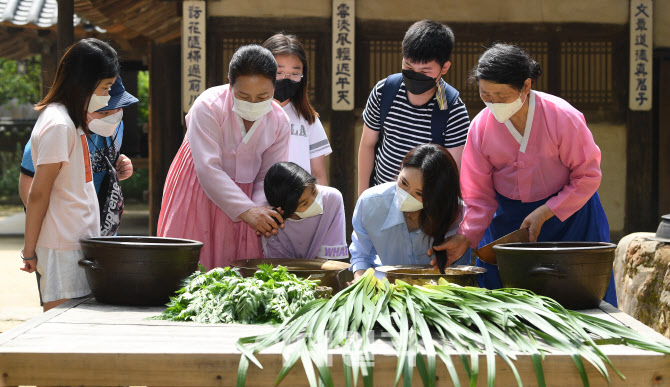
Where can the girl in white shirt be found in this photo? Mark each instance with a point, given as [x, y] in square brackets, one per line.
[62, 204]
[309, 144]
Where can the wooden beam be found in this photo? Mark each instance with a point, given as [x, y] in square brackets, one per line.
[65, 25]
[165, 122]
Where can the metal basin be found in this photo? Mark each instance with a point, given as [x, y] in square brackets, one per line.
[137, 270]
[425, 274]
[575, 274]
[324, 270]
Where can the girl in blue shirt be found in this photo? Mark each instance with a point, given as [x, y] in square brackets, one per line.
[397, 223]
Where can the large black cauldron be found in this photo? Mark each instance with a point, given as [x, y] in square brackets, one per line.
[137, 270]
[575, 274]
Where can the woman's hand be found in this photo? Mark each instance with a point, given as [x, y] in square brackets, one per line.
[357, 274]
[264, 220]
[455, 245]
[30, 265]
[124, 167]
[535, 220]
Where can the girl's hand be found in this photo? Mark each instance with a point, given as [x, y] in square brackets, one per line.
[264, 220]
[535, 220]
[30, 265]
[124, 167]
[455, 245]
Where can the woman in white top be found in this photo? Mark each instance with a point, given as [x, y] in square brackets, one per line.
[62, 204]
[308, 146]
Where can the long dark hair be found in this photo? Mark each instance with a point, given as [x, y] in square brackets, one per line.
[441, 189]
[251, 60]
[79, 72]
[283, 44]
[506, 64]
[284, 184]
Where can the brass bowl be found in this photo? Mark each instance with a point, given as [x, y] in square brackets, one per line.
[462, 275]
[324, 270]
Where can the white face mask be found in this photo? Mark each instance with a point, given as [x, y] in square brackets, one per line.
[251, 111]
[504, 111]
[105, 127]
[97, 102]
[406, 202]
[316, 208]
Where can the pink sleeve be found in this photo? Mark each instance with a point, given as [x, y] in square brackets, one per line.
[277, 152]
[204, 135]
[477, 188]
[580, 153]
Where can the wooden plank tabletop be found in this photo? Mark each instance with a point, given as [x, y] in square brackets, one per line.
[83, 342]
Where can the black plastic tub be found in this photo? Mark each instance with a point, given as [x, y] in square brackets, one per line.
[576, 274]
[137, 270]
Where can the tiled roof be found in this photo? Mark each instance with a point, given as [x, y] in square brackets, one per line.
[42, 13]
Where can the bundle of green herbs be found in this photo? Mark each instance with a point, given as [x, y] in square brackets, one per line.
[445, 319]
[222, 295]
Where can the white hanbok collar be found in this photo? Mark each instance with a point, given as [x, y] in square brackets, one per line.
[246, 135]
[523, 140]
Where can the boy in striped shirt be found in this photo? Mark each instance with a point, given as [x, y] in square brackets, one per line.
[412, 108]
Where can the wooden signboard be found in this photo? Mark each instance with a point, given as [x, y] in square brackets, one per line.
[193, 51]
[641, 55]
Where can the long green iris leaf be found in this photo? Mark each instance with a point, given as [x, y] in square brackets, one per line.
[436, 321]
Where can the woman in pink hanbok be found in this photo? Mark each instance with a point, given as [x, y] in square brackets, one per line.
[214, 189]
[529, 161]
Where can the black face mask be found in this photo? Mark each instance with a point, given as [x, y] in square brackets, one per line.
[285, 89]
[417, 83]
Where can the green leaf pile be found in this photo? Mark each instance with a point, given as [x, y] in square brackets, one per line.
[222, 295]
[443, 318]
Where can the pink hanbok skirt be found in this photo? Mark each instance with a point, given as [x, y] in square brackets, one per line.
[187, 212]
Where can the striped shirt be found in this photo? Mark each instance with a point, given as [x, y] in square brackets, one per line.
[407, 126]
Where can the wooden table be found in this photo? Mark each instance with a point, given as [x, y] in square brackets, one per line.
[83, 342]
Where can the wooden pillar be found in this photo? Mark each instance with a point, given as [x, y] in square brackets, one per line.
[49, 66]
[131, 131]
[641, 191]
[662, 99]
[165, 122]
[343, 160]
[65, 25]
[343, 100]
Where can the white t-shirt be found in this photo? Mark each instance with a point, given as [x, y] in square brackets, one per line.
[307, 141]
[73, 210]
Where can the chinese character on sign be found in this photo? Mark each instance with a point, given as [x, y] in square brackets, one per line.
[342, 96]
[194, 12]
[641, 70]
[343, 11]
[343, 54]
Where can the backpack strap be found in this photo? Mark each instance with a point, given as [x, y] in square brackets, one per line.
[389, 91]
[440, 118]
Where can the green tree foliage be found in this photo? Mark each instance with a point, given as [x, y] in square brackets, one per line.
[143, 96]
[24, 87]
